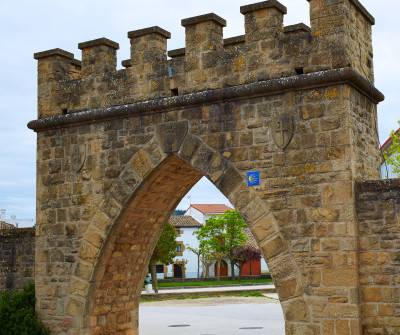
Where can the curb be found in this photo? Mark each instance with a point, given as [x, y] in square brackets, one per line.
[173, 295]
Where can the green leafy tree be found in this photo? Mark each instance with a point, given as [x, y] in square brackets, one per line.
[164, 252]
[211, 241]
[235, 237]
[219, 234]
[17, 313]
[178, 212]
[392, 156]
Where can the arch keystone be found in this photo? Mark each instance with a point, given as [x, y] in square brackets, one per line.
[171, 135]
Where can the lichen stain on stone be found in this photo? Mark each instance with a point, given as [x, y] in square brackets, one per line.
[154, 85]
[315, 95]
[238, 64]
[109, 59]
[331, 94]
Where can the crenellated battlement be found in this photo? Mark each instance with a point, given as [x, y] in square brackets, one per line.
[340, 31]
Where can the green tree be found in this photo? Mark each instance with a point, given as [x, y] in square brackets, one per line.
[392, 156]
[164, 252]
[178, 212]
[219, 234]
[17, 313]
[235, 237]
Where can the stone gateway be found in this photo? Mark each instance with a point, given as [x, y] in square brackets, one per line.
[118, 149]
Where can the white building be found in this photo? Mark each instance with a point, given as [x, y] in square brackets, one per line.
[387, 170]
[185, 226]
[201, 213]
[18, 223]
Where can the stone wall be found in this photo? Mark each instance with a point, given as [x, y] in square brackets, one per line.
[378, 210]
[340, 32]
[17, 257]
[117, 151]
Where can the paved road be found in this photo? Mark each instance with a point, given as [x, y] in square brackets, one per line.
[212, 316]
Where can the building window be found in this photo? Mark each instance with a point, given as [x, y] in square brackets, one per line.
[177, 231]
[179, 248]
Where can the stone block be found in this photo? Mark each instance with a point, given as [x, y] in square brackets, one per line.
[295, 310]
[371, 294]
[340, 277]
[141, 164]
[338, 193]
[273, 247]
[75, 307]
[367, 258]
[264, 228]
[88, 253]
[328, 214]
[288, 288]
[312, 111]
[342, 327]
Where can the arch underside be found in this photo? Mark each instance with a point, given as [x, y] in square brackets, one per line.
[125, 256]
[113, 302]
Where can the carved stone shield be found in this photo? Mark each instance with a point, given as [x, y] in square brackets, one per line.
[78, 156]
[171, 135]
[282, 130]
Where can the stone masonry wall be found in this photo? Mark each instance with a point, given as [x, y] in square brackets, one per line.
[117, 151]
[340, 31]
[378, 211]
[17, 258]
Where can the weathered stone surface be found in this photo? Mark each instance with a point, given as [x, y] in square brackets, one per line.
[17, 256]
[171, 135]
[379, 266]
[118, 149]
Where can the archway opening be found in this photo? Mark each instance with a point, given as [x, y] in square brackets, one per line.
[185, 302]
[117, 284]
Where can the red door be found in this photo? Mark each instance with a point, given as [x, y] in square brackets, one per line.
[223, 271]
[252, 268]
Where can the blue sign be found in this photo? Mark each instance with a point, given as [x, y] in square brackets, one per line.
[253, 178]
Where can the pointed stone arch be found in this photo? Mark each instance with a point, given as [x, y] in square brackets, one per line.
[106, 281]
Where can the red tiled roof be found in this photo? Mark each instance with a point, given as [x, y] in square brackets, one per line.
[385, 146]
[211, 209]
[179, 221]
[5, 225]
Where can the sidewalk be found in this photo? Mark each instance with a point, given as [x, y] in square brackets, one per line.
[171, 293]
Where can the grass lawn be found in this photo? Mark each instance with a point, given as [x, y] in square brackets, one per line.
[246, 295]
[212, 283]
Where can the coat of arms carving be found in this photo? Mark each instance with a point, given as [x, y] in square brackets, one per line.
[282, 128]
[78, 156]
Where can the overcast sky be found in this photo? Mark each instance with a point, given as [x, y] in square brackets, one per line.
[31, 26]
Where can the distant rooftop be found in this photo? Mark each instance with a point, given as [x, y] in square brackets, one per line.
[5, 225]
[179, 221]
[385, 146]
[211, 209]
